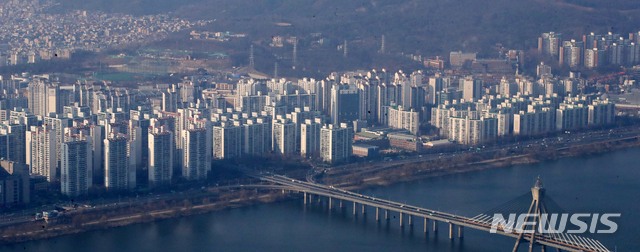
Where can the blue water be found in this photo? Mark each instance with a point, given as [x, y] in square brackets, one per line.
[607, 183]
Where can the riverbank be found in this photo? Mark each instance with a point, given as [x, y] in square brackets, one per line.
[134, 213]
[449, 166]
[217, 199]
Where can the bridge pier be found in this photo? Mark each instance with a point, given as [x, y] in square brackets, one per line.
[305, 198]
[330, 205]
[364, 209]
[410, 220]
[450, 231]
[341, 204]
[354, 208]
[426, 225]
[460, 231]
[377, 214]
[401, 222]
[386, 214]
[435, 226]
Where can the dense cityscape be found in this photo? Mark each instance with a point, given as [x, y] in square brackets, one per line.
[79, 138]
[30, 33]
[88, 134]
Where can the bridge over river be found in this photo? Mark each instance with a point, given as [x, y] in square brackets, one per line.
[408, 215]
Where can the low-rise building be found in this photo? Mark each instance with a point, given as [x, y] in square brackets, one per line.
[365, 150]
[405, 141]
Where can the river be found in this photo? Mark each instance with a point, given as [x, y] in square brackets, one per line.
[606, 183]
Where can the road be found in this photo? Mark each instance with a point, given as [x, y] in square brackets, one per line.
[27, 215]
[560, 143]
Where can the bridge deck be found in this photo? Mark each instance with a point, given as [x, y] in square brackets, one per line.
[565, 242]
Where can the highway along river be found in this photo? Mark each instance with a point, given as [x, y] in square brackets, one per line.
[607, 183]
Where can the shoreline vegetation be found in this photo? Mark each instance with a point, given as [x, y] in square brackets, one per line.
[216, 199]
